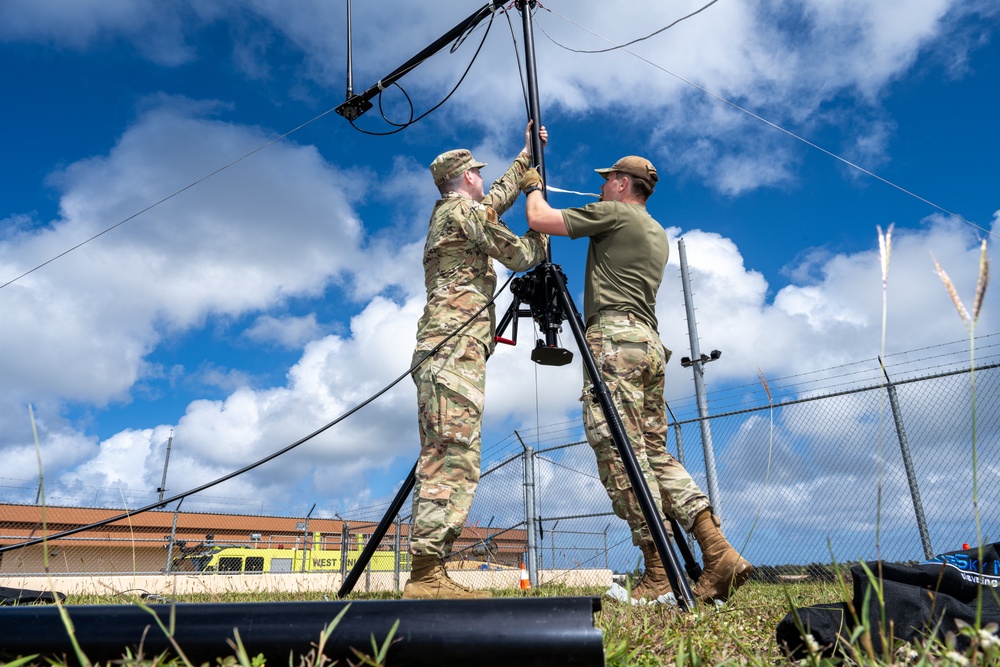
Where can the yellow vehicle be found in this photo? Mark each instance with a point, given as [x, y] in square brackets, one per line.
[234, 559]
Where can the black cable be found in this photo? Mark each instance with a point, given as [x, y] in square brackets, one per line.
[402, 126]
[269, 457]
[520, 75]
[786, 131]
[634, 41]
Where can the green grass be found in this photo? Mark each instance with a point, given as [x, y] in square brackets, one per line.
[739, 633]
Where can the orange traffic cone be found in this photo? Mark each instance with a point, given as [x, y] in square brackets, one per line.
[525, 581]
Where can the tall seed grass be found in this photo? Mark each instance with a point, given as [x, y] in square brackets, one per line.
[970, 320]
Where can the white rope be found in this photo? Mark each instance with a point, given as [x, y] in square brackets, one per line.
[572, 192]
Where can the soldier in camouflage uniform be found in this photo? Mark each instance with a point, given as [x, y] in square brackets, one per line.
[465, 235]
[625, 262]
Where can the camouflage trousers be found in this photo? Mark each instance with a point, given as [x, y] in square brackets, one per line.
[451, 391]
[632, 362]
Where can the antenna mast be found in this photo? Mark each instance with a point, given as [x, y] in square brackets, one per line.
[350, 56]
[553, 305]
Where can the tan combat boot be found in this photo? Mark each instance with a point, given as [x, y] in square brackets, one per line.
[652, 588]
[725, 570]
[430, 581]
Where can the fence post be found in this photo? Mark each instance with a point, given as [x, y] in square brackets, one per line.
[345, 538]
[680, 458]
[530, 516]
[173, 536]
[395, 546]
[911, 475]
[552, 536]
[607, 559]
[677, 436]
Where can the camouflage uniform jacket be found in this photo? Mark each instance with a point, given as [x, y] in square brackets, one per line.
[458, 272]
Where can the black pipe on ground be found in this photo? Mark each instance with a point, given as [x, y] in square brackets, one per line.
[502, 631]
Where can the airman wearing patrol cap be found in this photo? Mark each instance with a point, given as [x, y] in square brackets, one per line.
[465, 235]
[450, 164]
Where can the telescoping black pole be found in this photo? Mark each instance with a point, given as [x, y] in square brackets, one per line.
[554, 277]
[534, 108]
[549, 326]
[557, 306]
[664, 545]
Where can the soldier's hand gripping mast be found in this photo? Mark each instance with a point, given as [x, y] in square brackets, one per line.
[544, 289]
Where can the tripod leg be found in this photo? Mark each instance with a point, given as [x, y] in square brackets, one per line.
[383, 527]
[664, 545]
[691, 566]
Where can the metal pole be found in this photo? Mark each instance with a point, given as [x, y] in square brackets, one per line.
[911, 476]
[677, 435]
[690, 541]
[166, 460]
[358, 104]
[345, 537]
[305, 536]
[350, 55]
[607, 560]
[395, 546]
[530, 517]
[697, 366]
[368, 570]
[173, 535]
[657, 529]
[534, 109]
[552, 534]
[487, 544]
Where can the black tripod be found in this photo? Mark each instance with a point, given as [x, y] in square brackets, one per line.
[544, 288]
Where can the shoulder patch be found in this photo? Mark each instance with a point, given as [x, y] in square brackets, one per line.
[493, 218]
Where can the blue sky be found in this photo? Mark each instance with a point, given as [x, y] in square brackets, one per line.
[260, 303]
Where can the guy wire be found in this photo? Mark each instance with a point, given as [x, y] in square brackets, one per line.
[269, 457]
[760, 118]
[167, 198]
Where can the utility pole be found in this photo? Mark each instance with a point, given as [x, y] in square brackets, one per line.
[697, 363]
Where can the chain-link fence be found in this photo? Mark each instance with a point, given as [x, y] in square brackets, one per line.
[803, 476]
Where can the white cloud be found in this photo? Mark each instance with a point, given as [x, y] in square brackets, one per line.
[789, 63]
[267, 231]
[155, 29]
[833, 319]
[262, 231]
[290, 332]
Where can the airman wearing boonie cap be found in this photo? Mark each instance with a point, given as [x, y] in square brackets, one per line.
[465, 235]
[625, 262]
